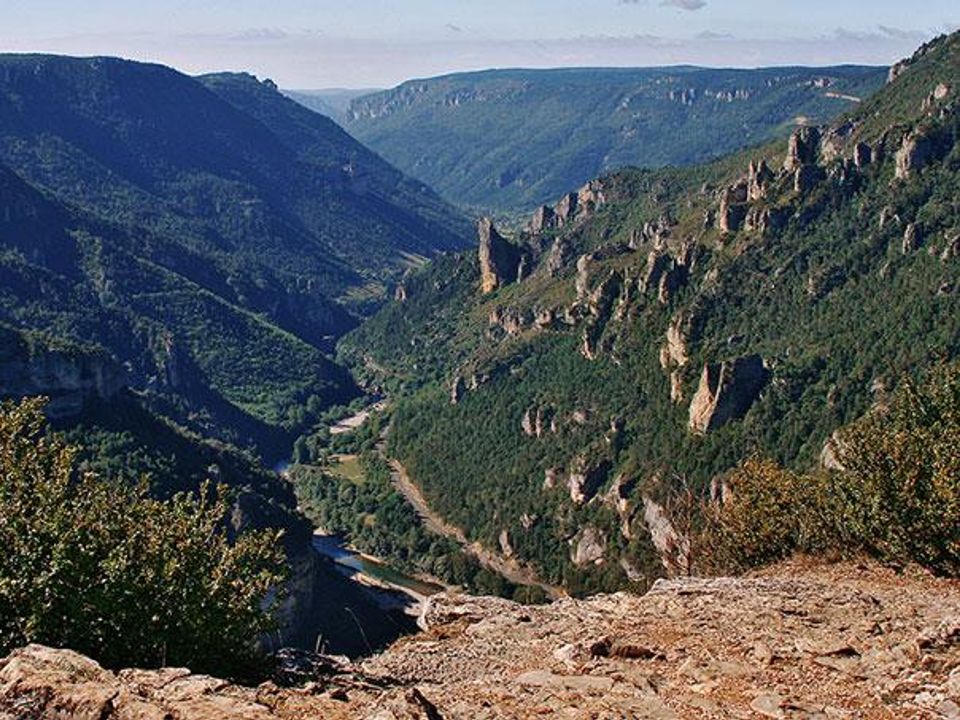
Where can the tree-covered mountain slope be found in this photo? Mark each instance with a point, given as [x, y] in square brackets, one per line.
[212, 235]
[555, 391]
[508, 140]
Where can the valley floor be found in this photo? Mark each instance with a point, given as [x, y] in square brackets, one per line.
[508, 568]
[801, 640]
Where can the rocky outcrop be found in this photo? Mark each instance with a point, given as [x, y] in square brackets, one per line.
[70, 378]
[726, 392]
[759, 178]
[582, 282]
[499, 259]
[952, 248]
[586, 477]
[658, 263]
[917, 151]
[600, 307]
[674, 350]
[799, 640]
[733, 207]
[863, 155]
[544, 218]
[458, 388]
[803, 149]
[672, 547]
[558, 256]
[670, 282]
[567, 209]
[589, 547]
[912, 238]
[538, 420]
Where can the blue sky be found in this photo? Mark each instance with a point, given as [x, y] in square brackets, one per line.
[376, 43]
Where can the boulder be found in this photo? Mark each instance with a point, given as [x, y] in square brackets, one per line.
[499, 259]
[726, 392]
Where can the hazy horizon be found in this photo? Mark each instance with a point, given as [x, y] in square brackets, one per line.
[377, 44]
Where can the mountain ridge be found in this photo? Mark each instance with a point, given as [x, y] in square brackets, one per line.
[525, 136]
[211, 221]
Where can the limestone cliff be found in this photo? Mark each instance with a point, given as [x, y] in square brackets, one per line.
[70, 376]
[499, 259]
[726, 392]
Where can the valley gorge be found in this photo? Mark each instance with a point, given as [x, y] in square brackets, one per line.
[639, 441]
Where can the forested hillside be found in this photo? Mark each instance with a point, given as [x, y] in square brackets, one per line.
[212, 235]
[509, 140]
[560, 392]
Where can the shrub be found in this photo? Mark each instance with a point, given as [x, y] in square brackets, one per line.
[900, 484]
[768, 514]
[896, 498]
[102, 568]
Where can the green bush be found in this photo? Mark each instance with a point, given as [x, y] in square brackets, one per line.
[896, 498]
[900, 487]
[101, 568]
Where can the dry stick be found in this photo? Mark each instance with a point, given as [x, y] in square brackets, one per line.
[362, 633]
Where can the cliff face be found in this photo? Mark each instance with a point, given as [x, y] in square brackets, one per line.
[70, 377]
[798, 641]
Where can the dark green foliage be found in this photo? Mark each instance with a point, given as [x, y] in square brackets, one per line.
[830, 300]
[213, 235]
[378, 520]
[101, 568]
[507, 140]
[899, 488]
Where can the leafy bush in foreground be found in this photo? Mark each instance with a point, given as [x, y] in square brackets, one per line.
[896, 496]
[101, 568]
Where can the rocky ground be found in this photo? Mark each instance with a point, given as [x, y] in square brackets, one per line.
[801, 640]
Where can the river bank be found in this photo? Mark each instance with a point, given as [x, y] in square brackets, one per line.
[393, 589]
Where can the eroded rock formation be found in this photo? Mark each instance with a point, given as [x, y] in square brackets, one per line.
[726, 392]
[499, 259]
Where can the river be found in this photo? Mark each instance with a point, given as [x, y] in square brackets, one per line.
[352, 562]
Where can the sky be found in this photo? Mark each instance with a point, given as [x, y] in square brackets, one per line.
[313, 44]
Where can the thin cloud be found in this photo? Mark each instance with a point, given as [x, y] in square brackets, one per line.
[685, 4]
[690, 5]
